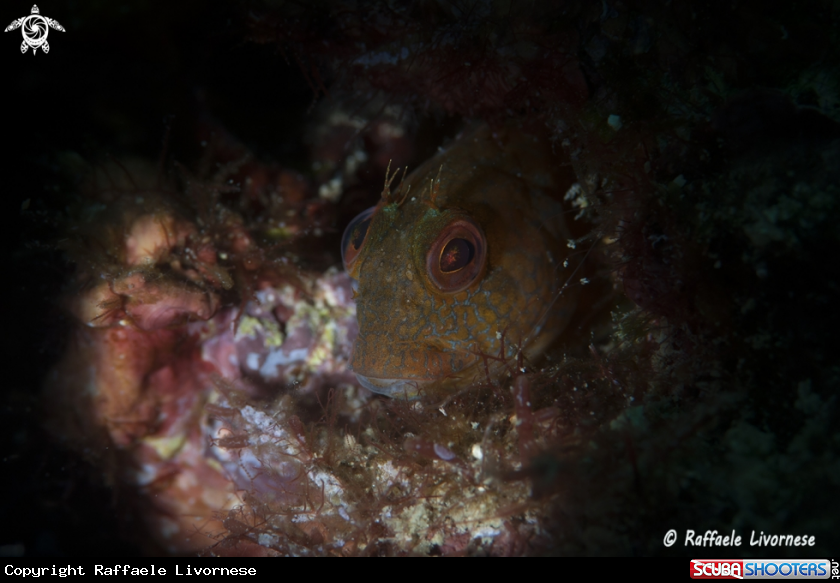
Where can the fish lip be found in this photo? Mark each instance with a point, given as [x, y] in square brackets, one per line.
[397, 388]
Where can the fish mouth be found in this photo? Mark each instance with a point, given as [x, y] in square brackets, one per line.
[396, 388]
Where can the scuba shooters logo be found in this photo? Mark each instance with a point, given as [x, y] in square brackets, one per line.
[760, 569]
[35, 29]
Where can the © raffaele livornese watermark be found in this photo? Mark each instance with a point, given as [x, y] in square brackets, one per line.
[35, 29]
[713, 538]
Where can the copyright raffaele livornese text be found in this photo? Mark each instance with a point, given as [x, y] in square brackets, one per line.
[713, 538]
[124, 570]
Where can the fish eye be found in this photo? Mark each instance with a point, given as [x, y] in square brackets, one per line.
[456, 258]
[354, 236]
[456, 255]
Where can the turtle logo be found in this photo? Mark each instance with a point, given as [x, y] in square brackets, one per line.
[35, 28]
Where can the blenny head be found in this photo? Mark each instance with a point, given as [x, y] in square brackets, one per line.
[461, 262]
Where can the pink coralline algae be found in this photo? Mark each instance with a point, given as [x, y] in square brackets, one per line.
[156, 350]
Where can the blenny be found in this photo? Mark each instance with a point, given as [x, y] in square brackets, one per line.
[462, 266]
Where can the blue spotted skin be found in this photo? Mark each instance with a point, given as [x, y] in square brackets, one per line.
[414, 339]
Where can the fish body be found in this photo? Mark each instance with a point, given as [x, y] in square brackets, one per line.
[462, 267]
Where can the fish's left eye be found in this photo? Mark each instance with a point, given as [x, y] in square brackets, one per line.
[354, 236]
[456, 258]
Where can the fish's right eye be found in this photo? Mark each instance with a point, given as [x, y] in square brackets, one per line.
[354, 237]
